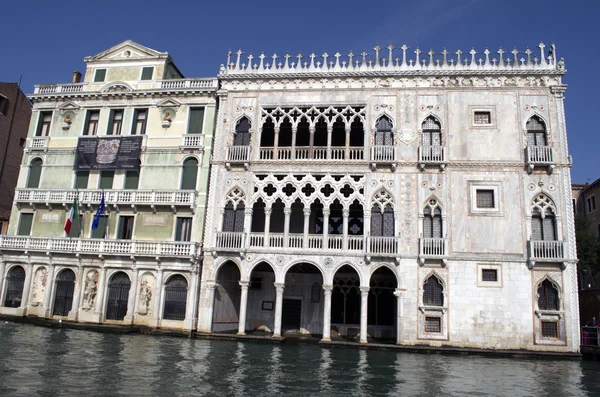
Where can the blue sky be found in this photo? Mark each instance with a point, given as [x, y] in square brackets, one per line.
[45, 41]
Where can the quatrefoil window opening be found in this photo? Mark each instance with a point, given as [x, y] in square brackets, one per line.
[543, 205]
[308, 190]
[289, 189]
[270, 189]
[327, 190]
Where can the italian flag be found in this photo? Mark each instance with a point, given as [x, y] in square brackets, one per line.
[71, 216]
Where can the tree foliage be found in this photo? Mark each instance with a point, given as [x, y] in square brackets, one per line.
[588, 248]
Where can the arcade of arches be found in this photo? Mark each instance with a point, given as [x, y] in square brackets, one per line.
[303, 304]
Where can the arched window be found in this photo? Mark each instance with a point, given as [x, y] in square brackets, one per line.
[35, 171]
[384, 135]
[432, 132]
[543, 219]
[63, 297]
[189, 174]
[175, 298]
[382, 222]
[536, 132]
[547, 296]
[118, 295]
[242, 132]
[233, 218]
[432, 222]
[15, 280]
[433, 292]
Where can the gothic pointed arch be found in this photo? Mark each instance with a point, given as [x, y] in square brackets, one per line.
[384, 131]
[241, 135]
[431, 131]
[543, 218]
[433, 290]
[233, 213]
[382, 214]
[548, 295]
[536, 131]
[432, 218]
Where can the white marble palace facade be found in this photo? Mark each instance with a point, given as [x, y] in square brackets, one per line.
[142, 265]
[422, 198]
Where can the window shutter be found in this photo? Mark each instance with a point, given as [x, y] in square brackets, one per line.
[376, 222]
[99, 232]
[111, 121]
[81, 179]
[132, 179]
[437, 227]
[189, 174]
[427, 226]
[178, 227]
[147, 73]
[106, 179]
[75, 227]
[35, 172]
[548, 228]
[100, 75]
[388, 223]
[536, 228]
[239, 220]
[229, 219]
[25, 224]
[196, 121]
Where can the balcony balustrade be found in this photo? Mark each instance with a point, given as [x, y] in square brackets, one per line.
[432, 155]
[230, 241]
[295, 241]
[193, 141]
[238, 154]
[38, 143]
[432, 248]
[101, 247]
[383, 154]
[134, 198]
[546, 251]
[307, 153]
[170, 84]
[382, 246]
[539, 156]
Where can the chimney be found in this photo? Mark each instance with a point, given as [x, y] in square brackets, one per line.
[76, 77]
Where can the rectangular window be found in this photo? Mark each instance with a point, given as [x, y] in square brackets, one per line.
[139, 121]
[482, 117]
[125, 230]
[132, 179]
[102, 226]
[147, 73]
[76, 227]
[489, 275]
[115, 122]
[196, 121]
[100, 75]
[575, 206]
[183, 231]
[25, 222]
[3, 105]
[591, 203]
[81, 179]
[44, 123]
[91, 122]
[485, 198]
[106, 179]
[550, 329]
[433, 324]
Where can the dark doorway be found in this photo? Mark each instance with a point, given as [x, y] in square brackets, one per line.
[63, 298]
[118, 295]
[291, 314]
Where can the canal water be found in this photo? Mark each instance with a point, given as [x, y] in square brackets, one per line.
[37, 361]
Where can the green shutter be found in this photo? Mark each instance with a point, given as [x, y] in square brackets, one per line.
[189, 175]
[25, 225]
[106, 179]
[147, 73]
[99, 233]
[178, 229]
[100, 75]
[35, 171]
[75, 227]
[132, 179]
[111, 119]
[196, 121]
[81, 179]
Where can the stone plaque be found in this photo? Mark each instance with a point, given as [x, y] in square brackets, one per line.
[154, 220]
[51, 217]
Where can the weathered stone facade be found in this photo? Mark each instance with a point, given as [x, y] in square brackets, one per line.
[142, 265]
[426, 201]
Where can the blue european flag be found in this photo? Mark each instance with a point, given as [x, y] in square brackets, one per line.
[99, 212]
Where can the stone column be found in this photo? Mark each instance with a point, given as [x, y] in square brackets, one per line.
[267, 225]
[132, 295]
[191, 299]
[100, 293]
[73, 314]
[400, 313]
[286, 226]
[247, 224]
[276, 144]
[294, 131]
[366, 229]
[2, 270]
[243, 304]
[278, 306]
[306, 224]
[311, 142]
[157, 298]
[329, 133]
[364, 307]
[325, 228]
[346, 213]
[210, 297]
[26, 288]
[50, 285]
[327, 289]
[347, 157]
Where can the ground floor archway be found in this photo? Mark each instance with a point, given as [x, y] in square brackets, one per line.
[226, 304]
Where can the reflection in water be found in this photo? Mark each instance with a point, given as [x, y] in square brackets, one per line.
[50, 362]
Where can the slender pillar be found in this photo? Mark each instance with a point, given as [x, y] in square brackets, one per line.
[286, 226]
[400, 313]
[156, 299]
[276, 144]
[27, 287]
[100, 293]
[294, 131]
[191, 298]
[278, 306]
[367, 229]
[325, 228]
[311, 142]
[73, 314]
[48, 292]
[132, 295]
[210, 299]
[306, 224]
[346, 213]
[248, 224]
[329, 133]
[267, 225]
[347, 157]
[327, 289]
[243, 305]
[2, 270]
[364, 307]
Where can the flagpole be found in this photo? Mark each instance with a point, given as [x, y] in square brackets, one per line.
[79, 214]
[107, 217]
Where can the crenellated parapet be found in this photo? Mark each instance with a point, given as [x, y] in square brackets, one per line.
[389, 61]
